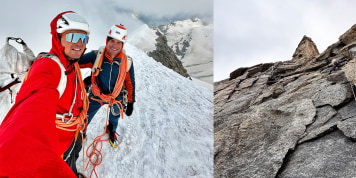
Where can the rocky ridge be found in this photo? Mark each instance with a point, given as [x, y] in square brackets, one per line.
[165, 55]
[290, 118]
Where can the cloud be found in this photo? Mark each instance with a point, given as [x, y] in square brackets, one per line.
[256, 31]
[30, 20]
[162, 8]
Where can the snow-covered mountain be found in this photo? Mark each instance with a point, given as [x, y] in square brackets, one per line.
[170, 133]
[192, 42]
[143, 38]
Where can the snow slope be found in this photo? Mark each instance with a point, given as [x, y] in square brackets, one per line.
[170, 133]
[143, 38]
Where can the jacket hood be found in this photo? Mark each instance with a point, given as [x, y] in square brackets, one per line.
[57, 48]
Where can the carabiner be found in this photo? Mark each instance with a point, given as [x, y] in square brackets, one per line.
[67, 114]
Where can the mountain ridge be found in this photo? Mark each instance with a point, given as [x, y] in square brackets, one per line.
[190, 40]
[288, 118]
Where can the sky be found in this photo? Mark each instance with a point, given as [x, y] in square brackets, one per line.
[30, 20]
[250, 32]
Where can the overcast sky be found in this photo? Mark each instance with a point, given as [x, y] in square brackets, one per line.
[30, 20]
[250, 32]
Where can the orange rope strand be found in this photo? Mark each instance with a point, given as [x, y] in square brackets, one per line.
[93, 153]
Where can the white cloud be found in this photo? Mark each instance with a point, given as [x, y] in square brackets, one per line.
[30, 20]
[163, 8]
[256, 31]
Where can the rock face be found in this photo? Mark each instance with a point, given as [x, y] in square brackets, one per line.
[165, 55]
[288, 119]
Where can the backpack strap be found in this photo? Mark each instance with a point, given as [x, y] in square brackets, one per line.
[97, 64]
[63, 81]
[129, 62]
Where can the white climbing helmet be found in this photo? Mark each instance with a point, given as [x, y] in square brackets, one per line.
[72, 21]
[333, 61]
[118, 32]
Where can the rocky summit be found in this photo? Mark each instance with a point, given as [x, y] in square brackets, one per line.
[290, 118]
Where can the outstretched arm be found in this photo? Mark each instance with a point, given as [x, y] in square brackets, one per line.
[28, 134]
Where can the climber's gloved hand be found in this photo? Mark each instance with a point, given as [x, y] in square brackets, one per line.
[129, 109]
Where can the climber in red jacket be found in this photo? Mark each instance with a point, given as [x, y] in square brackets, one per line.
[50, 109]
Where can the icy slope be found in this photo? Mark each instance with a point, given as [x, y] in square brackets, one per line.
[170, 133]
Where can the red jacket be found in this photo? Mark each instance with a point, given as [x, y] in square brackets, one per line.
[30, 143]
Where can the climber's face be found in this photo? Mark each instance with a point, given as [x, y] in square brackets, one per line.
[73, 49]
[113, 47]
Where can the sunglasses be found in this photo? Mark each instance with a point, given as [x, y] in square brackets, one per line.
[75, 37]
